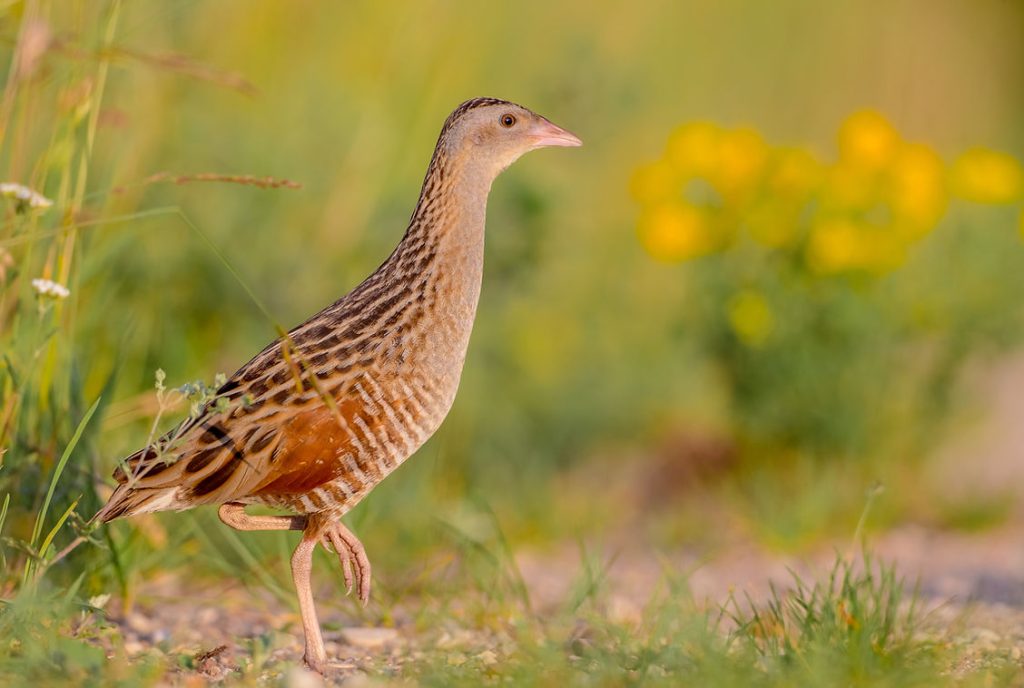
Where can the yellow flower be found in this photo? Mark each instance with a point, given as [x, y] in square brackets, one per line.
[867, 139]
[836, 245]
[795, 172]
[917, 187]
[693, 148]
[987, 176]
[751, 317]
[675, 232]
[774, 218]
[841, 244]
[742, 155]
[654, 183]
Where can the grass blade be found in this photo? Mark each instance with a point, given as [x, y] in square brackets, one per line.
[57, 471]
[56, 527]
[3, 511]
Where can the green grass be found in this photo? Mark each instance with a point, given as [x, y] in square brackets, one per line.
[856, 627]
[859, 624]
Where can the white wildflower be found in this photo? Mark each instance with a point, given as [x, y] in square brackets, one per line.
[45, 287]
[24, 195]
[99, 601]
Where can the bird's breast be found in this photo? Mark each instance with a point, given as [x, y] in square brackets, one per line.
[389, 363]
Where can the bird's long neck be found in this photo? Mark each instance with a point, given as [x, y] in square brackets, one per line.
[425, 295]
[452, 206]
[445, 238]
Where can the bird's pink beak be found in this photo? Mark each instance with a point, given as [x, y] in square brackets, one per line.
[544, 133]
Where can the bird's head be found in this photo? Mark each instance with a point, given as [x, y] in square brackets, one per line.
[494, 133]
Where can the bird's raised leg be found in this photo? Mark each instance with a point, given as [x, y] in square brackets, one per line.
[352, 555]
[233, 514]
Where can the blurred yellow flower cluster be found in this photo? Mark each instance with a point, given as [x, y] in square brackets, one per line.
[751, 317]
[859, 213]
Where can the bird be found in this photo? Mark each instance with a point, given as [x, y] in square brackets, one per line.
[320, 416]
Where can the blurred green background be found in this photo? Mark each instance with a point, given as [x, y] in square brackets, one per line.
[606, 376]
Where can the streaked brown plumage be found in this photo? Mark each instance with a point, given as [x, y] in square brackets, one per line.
[334, 407]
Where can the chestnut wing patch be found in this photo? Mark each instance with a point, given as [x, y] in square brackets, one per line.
[314, 442]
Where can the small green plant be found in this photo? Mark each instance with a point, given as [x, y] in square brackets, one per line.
[858, 621]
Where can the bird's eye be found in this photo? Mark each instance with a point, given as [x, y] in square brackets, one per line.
[507, 121]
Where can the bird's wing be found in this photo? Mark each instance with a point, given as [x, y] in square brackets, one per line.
[198, 441]
[293, 422]
[297, 387]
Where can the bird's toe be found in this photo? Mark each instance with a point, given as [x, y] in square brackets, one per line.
[355, 563]
[333, 543]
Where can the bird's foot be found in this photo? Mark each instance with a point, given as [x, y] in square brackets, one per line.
[317, 664]
[355, 565]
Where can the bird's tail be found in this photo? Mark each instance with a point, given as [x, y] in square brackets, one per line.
[126, 500]
[119, 504]
[131, 501]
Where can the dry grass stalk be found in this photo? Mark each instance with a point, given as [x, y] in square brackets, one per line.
[245, 179]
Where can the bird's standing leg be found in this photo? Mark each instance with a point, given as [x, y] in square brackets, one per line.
[302, 565]
[233, 514]
[351, 552]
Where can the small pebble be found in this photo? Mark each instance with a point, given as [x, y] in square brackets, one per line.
[300, 677]
[368, 638]
[139, 623]
[133, 647]
[623, 610]
[206, 616]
